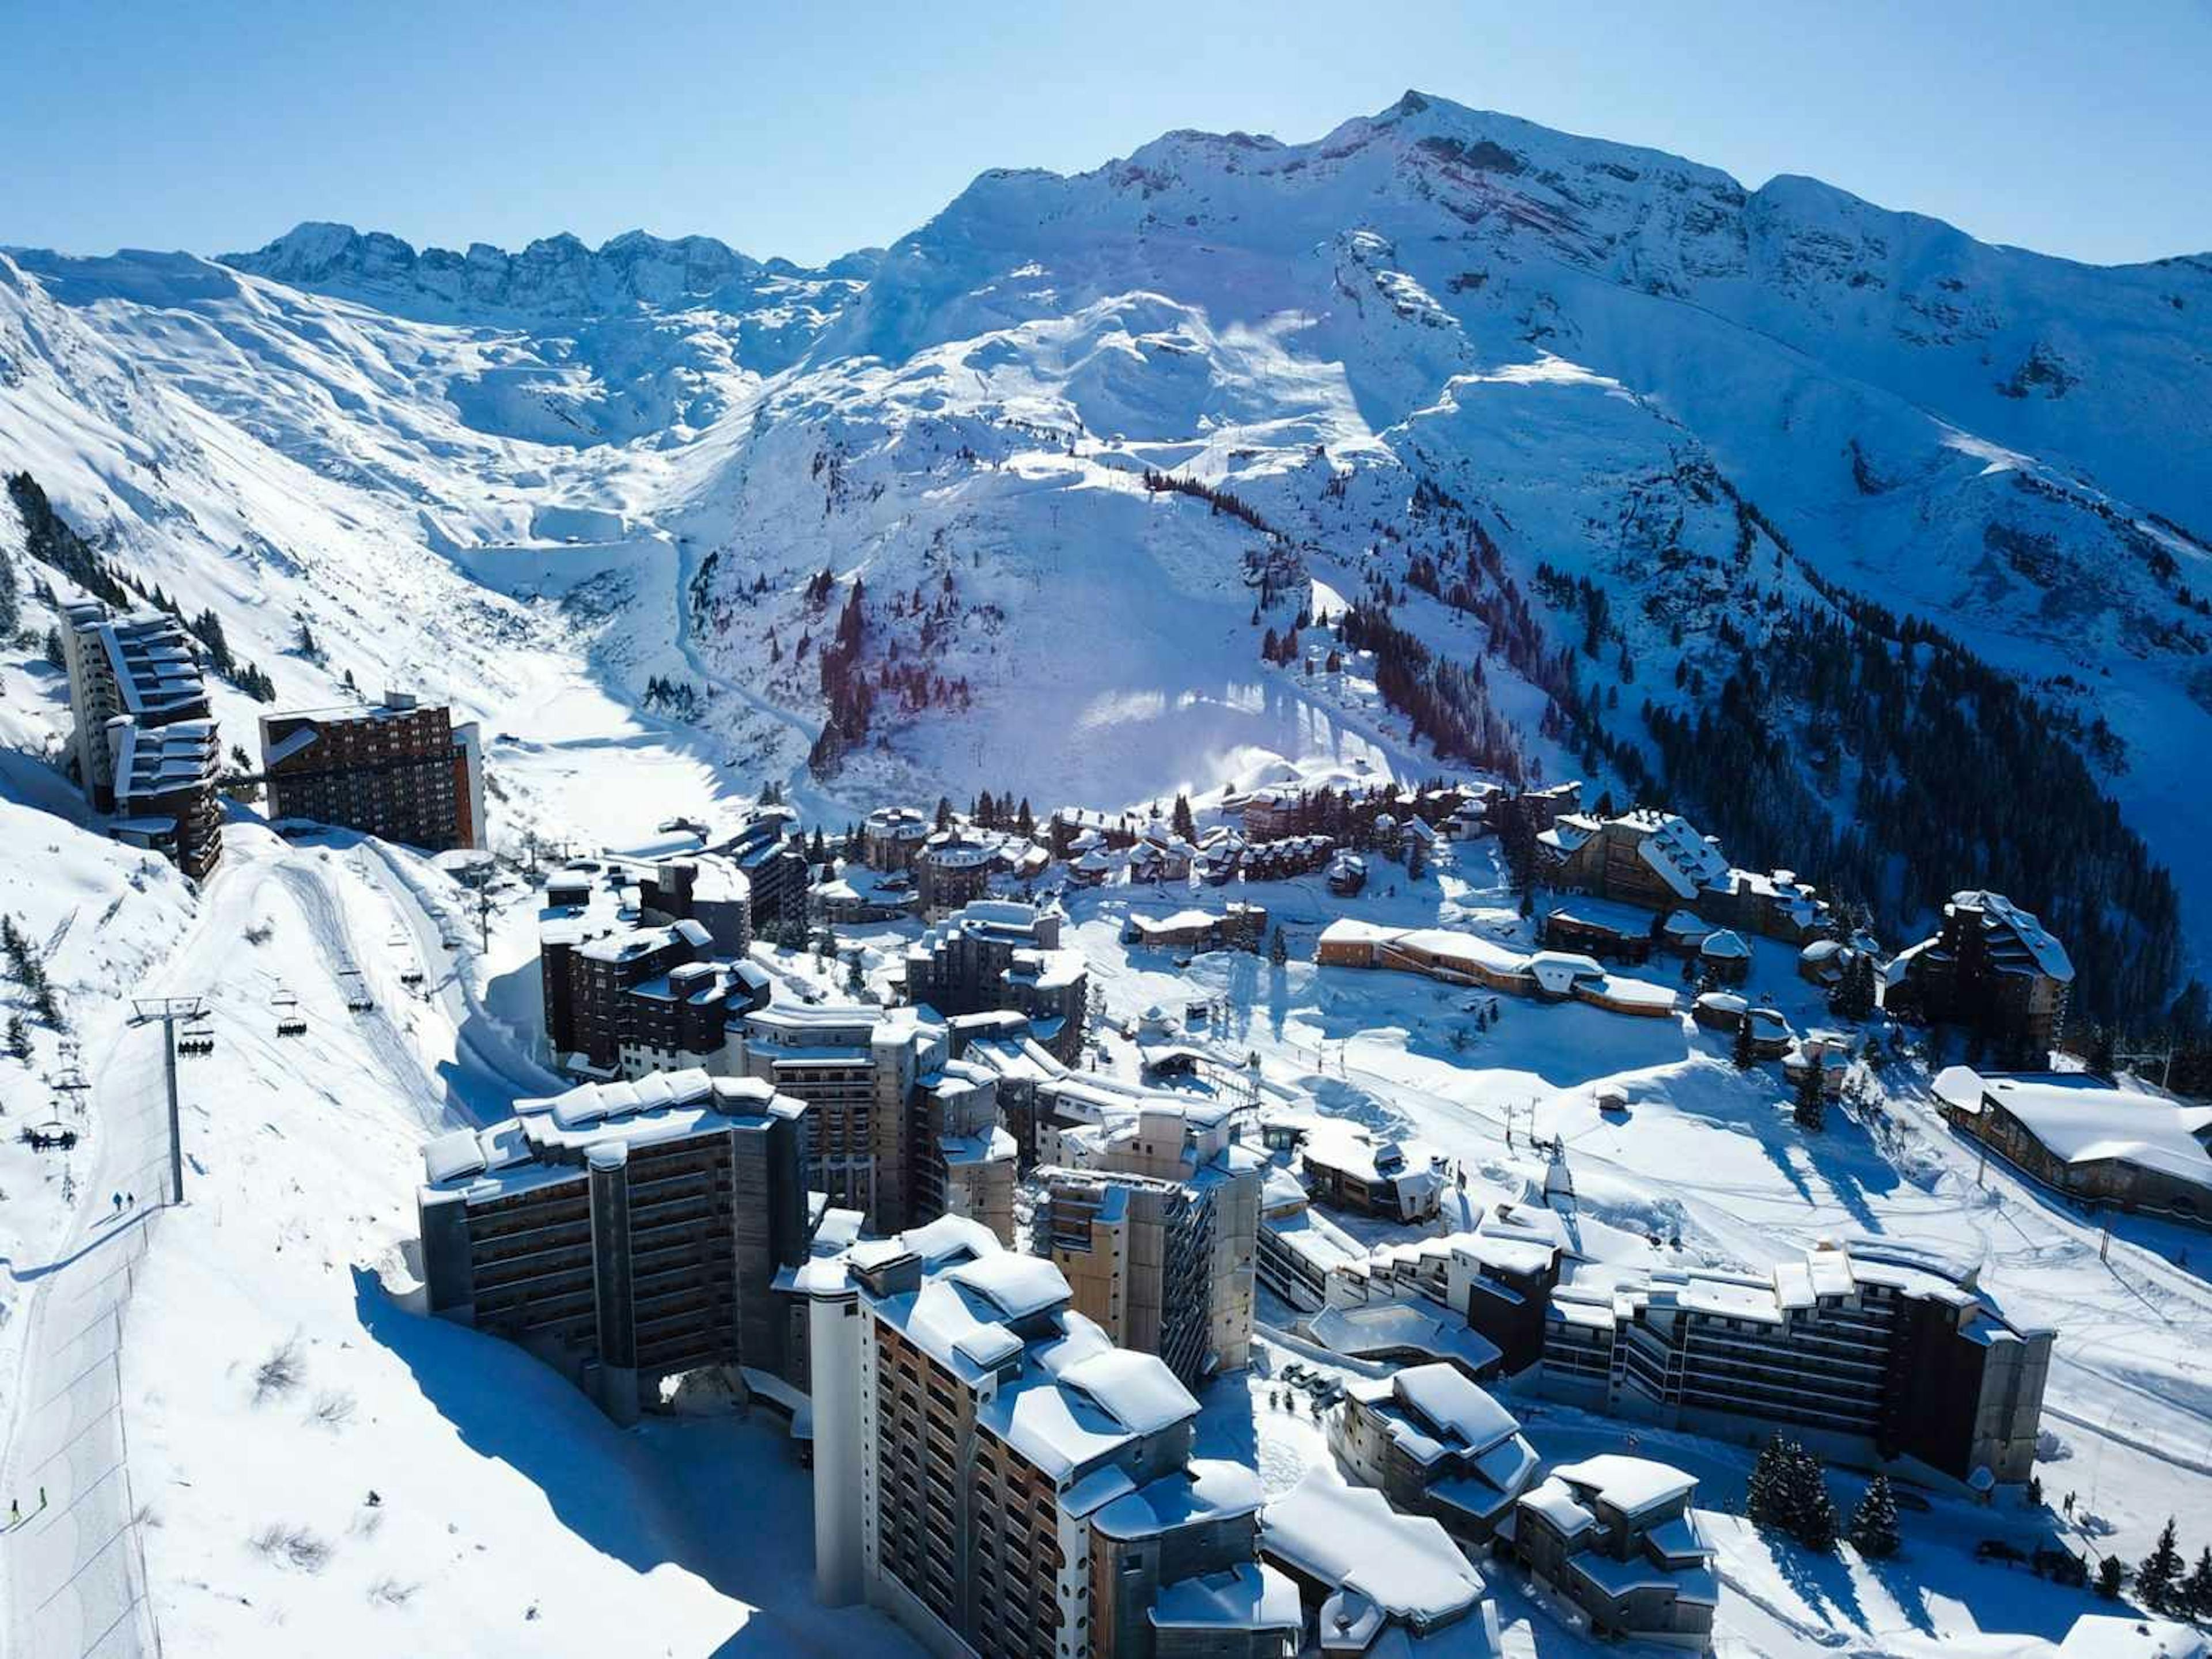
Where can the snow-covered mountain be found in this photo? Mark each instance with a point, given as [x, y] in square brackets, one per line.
[1593, 420]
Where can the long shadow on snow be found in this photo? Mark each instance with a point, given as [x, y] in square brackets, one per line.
[505, 1405]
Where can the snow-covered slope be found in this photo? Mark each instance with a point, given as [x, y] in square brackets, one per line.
[1436, 349]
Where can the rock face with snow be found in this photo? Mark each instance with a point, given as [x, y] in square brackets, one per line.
[1544, 394]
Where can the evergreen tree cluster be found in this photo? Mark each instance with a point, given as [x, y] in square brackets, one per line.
[1788, 1494]
[1002, 812]
[11, 607]
[1854, 995]
[28, 970]
[1447, 702]
[49, 540]
[845, 686]
[1219, 500]
[1809, 1108]
[1964, 779]
[2167, 1584]
[678, 697]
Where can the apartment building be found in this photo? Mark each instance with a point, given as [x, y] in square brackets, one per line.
[1615, 1536]
[902, 1132]
[776, 871]
[1994, 968]
[1870, 1362]
[952, 869]
[996, 954]
[624, 1232]
[144, 741]
[642, 965]
[1434, 1444]
[1152, 1210]
[1659, 861]
[401, 769]
[891, 838]
[1002, 1480]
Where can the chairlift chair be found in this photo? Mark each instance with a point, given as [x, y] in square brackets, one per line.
[290, 1021]
[357, 998]
[198, 1038]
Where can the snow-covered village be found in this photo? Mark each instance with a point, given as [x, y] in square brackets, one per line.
[1435, 894]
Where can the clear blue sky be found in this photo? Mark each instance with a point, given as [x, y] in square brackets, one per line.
[211, 125]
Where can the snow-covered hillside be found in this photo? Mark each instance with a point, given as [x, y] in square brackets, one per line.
[1439, 356]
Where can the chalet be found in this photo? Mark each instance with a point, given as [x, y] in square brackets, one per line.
[1724, 957]
[1461, 958]
[1824, 962]
[1241, 927]
[1347, 1167]
[1659, 861]
[1115, 831]
[1615, 1535]
[1279, 860]
[1347, 874]
[1601, 928]
[1828, 1052]
[1993, 968]
[1092, 869]
[2093, 1141]
[1270, 814]
[1161, 856]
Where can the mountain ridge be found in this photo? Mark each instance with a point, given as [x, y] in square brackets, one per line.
[1073, 447]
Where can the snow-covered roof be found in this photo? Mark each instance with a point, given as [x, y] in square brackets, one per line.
[1251, 1595]
[1404, 1324]
[1630, 1484]
[1556, 1504]
[2132, 1636]
[2018, 943]
[1406, 1566]
[2080, 1120]
[1084, 1400]
[1204, 1489]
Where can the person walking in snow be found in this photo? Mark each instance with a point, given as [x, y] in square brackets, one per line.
[118, 1203]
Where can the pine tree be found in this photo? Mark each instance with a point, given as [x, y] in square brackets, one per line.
[11, 612]
[1874, 1522]
[2159, 1574]
[1026, 821]
[1810, 1109]
[19, 1037]
[1741, 1053]
[1812, 1511]
[2195, 1595]
[1765, 1500]
[54, 657]
[1184, 823]
[944, 812]
[2110, 1576]
[1279, 948]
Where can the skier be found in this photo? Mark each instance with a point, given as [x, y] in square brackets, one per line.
[129, 1201]
[118, 1203]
